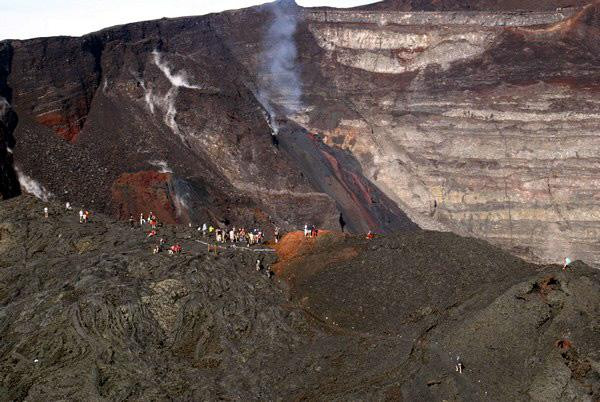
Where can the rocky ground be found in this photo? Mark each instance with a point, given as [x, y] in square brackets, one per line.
[88, 313]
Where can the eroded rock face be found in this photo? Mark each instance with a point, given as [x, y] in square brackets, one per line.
[471, 126]
[9, 184]
[481, 122]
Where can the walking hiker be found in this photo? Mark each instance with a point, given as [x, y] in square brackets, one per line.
[258, 265]
[46, 212]
[142, 221]
[175, 249]
[86, 216]
[276, 235]
[204, 229]
[81, 216]
[131, 221]
[269, 273]
[306, 232]
[459, 366]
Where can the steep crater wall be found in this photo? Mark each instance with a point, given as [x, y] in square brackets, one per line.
[481, 123]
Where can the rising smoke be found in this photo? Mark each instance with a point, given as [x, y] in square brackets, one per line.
[31, 186]
[162, 166]
[178, 79]
[166, 102]
[183, 194]
[280, 82]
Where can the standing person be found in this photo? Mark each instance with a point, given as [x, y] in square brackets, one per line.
[258, 265]
[459, 366]
[204, 229]
[46, 212]
[141, 219]
[276, 234]
[81, 216]
[305, 230]
[232, 235]
[131, 221]
[86, 216]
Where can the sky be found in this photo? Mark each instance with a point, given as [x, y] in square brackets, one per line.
[24, 19]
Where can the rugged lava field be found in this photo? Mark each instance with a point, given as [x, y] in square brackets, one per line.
[87, 312]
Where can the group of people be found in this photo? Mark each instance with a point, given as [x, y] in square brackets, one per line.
[233, 235]
[84, 215]
[260, 267]
[152, 221]
[311, 231]
[174, 249]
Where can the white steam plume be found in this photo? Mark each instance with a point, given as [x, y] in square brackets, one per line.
[32, 187]
[181, 204]
[280, 78]
[178, 79]
[162, 165]
[166, 102]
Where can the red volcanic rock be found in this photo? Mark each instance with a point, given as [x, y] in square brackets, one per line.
[294, 248]
[142, 192]
[68, 127]
[358, 193]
